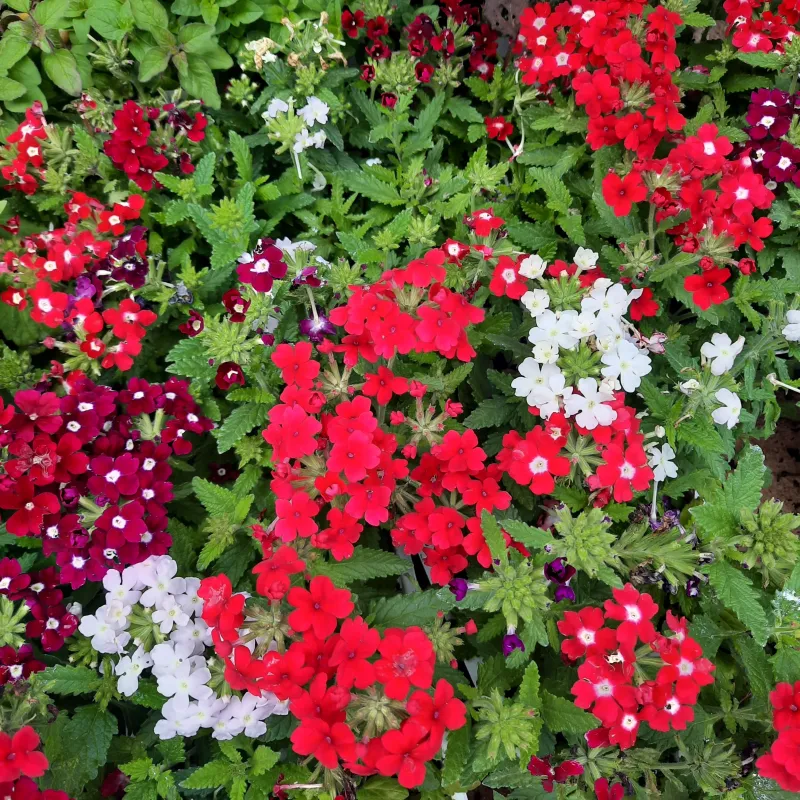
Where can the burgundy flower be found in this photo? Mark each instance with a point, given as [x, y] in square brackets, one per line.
[51, 624]
[13, 581]
[261, 267]
[37, 411]
[130, 124]
[126, 520]
[17, 665]
[424, 72]
[352, 22]
[367, 73]
[140, 397]
[114, 477]
[389, 100]
[317, 329]
[236, 305]
[44, 585]
[229, 374]
[193, 325]
[222, 473]
[29, 508]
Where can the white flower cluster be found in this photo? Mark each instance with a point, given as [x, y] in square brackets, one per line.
[178, 664]
[792, 329]
[314, 111]
[600, 323]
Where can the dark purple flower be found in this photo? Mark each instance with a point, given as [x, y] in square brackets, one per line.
[85, 286]
[558, 571]
[565, 593]
[459, 587]
[317, 329]
[132, 271]
[512, 642]
[693, 587]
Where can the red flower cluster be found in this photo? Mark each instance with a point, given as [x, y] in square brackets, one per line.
[541, 767]
[395, 316]
[18, 665]
[782, 762]
[20, 761]
[537, 459]
[84, 451]
[333, 661]
[140, 151]
[23, 150]
[606, 685]
[594, 47]
[764, 32]
[78, 254]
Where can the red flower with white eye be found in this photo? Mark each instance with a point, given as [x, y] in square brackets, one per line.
[604, 692]
[635, 611]
[506, 280]
[591, 637]
[666, 711]
[686, 668]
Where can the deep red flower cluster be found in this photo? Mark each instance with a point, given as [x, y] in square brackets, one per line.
[76, 257]
[407, 310]
[609, 679]
[592, 45]
[770, 116]
[782, 762]
[756, 27]
[20, 762]
[335, 662]
[143, 138]
[79, 474]
[538, 458]
[716, 196]
[22, 157]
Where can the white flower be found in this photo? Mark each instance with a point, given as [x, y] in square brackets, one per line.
[373, 162]
[185, 683]
[276, 106]
[302, 141]
[121, 587]
[626, 364]
[162, 581]
[536, 301]
[197, 634]
[117, 615]
[608, 333]
[722, 352]
[169, 614]
[608, 299]
[545, 353]
[689, 387]
[792, 330]
[319, 139]
[590, 405]
[541, 385]
[554, 328]
[583, 326]
[129, 669]
[190, 602]
[105, 637]
[169, 657]
[315, 110]
[532, 267]
[661, 462]
[585, 258]
[728, 413]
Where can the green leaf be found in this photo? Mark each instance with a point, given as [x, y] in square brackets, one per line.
[493, 535]
[149, 15]
[217, 500]
[744, 485]
[242, 156]
[764, 60]
[697, 20]
[380, 788]
[714, 521]
[198, 80]
[105, 16]
[213, 775]
[12, 49]
[147, 695]
[490, 413]
[67, 680]
[153, 63]
[365, 564]
[532, 538]
[402, 610]
[49, 13]
[786, 663]
[371, 187]
[239, 423]
[529, 688]
[756, 666]
[462, 109]
[10, 89]
[62, 69]
[563, 716]
[457, 755]
[196, 37]
[263, 760]
[423, 128]
[737, 593]
[189, 360]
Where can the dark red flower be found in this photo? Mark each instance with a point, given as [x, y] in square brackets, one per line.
[229, 374]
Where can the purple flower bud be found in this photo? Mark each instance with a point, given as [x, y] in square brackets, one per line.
[512, 642]
[693, 587]
[459, 587]
[565, 593]
[558, 571]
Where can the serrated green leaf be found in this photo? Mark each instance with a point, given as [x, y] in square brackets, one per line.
[744, 485]
[462, 109]
[239, 423]
[563, 716]
[490, 413]
[757, 667]
[532, 538]
[217, 500]
[213, 775]
[736, 592]
[529, 688]
[242, 156]
[371, 187]
[493, 535]
[262, 760]
[365, 564]
[402, 610]
[379, 788]
[67, 680]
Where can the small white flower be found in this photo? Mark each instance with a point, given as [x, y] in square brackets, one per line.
[315, 110]
[121, 587]
[185, 683]
[129, 670]
[792, 329]
[318, 139]
[689, 387]
[536, 301]
[590, 405]
[276, 106]
[532, 267]
[161, 581]
[373, 162]
[584, 324]
[545, 352]
[728, 413]
[302, 141]
[608, 299]
[585, 258]
[626, 364]
[169, 615]
[555, 328]
[662, 464]
[542, 386]
[722, 352]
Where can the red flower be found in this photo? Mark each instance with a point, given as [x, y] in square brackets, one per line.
[235, 305]
[635, 610]
[319, 606]
[356, 643]
[782, 763]
[215, 593]
[296, 517]
[406, 752]
[498, 128]
[407, 659]
[687, 669]
[626, 471]
[244, 672]
[444, 711]
[622, 193]
[339, 538]
[13, 581]
[47, 306]
[291, 432]
[602, 790]
[260, 269]
[561, 774]
[644, 305]
[483, 222]
[193, 325]
[666, 711]
[707, 288]
[19, 755]
[294, 362]
[229, 374]
[384, 385]
[37, 412]
[327, 743]
[535, 460]
[624, 732]
[603, 692]
[785, 699]
[591, 637]
[29, 509]
[506, 279]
